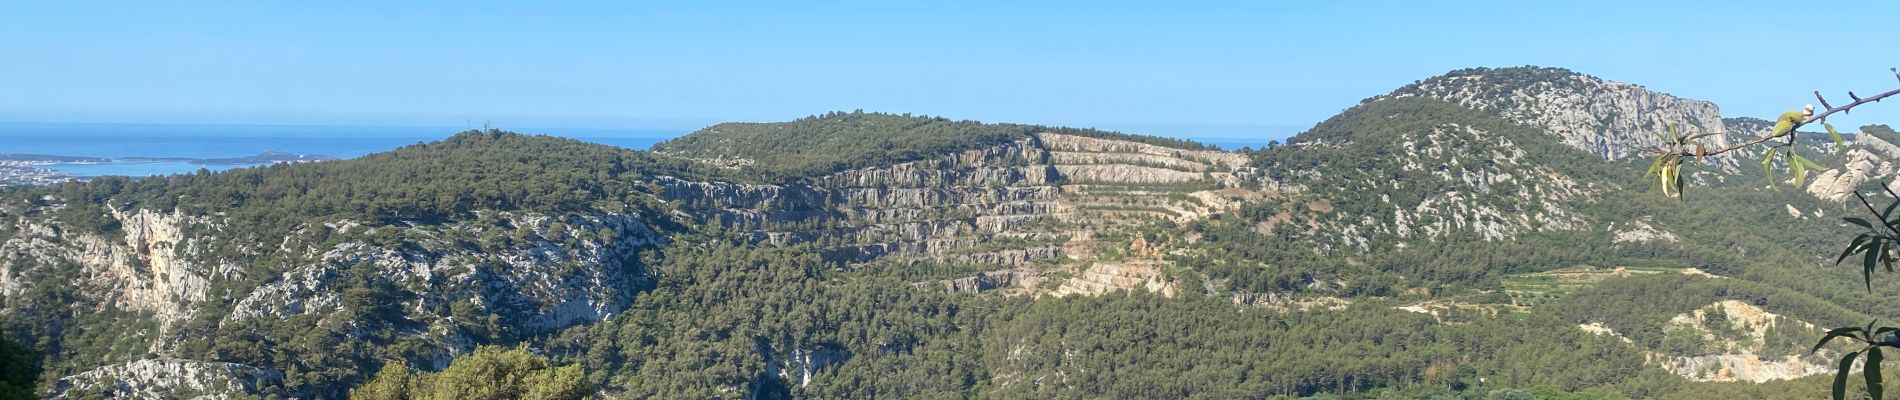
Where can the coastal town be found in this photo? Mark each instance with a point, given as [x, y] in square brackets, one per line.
[38, 169]
[29, 173]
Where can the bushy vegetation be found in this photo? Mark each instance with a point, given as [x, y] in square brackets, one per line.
[19, 369]
[487, 373]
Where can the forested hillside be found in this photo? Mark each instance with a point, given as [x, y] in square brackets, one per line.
[837, 141]
[1463, 237]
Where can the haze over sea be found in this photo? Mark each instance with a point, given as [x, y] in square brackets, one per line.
[120, 141]
[196, 141]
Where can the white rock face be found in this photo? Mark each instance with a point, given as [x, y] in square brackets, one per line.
[140, 270]
[1597, 328]
[1614, 120]
[572, 269]
[1104, 277]
[1743, 363]
[166, 379]
[1071, 143]
[1743, 367]
[1869, 159]
[1640, 231]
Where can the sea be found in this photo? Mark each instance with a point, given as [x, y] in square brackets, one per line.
[140, 150]
[161, 149]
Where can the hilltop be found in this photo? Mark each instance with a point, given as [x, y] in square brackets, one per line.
[837, 141]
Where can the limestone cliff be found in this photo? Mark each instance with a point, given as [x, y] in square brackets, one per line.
[1613, 120]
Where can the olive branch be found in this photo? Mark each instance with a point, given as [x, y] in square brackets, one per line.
[1677, 148]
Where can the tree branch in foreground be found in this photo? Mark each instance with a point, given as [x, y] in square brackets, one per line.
[1699, 151]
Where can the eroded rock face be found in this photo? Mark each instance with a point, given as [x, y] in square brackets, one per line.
[1743, 367]
[1869, 158]
[570, 269]
[1743, 361]
[140, 268]
[1071, 143]
[166, 379]
[1641, 231]
[1104, 277]
[1614, 120]
[1497, 193]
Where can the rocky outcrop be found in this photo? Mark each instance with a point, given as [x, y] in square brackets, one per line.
[1071, 143]
[1614, 120]
[1640, 231]
[566, 269]
[1743, 367]
[1868, 159]
[1463, 180]
[140, 267]
[166, 379]
[1747, 329]
[1104, 277]
[1289, 302]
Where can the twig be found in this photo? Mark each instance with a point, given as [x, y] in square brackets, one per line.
[1816, 117]
[1876, 213]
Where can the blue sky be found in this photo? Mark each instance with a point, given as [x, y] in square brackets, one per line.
[1199, 69]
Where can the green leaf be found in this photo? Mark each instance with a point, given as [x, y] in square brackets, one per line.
[1800, 170]
[1859, 221]
[1767, 165]
[1873, 258]
[1834, 333]
[1858, 241]
[1871, 369]
[1810, 163]
[1885, 215]
[1838, 143]
[1653, 167]
[1675, 177]
[1840, 376]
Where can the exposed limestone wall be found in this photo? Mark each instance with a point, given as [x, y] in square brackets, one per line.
[1614, 120]
[139, 270]
[1071, 143]
[560, 276]
[1104, 277]
[166, 379]
[1869, 159]
[1640, 231]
